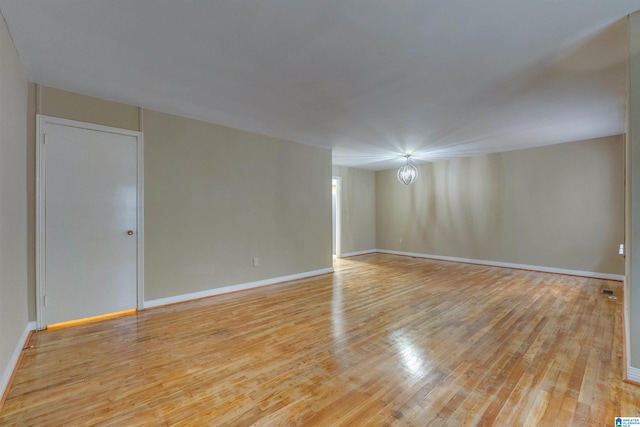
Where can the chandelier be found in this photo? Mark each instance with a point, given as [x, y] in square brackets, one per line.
[408, 173]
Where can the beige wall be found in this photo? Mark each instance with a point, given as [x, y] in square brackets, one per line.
[632, 298]
[31, 201]
[73, 106]
[358, 209]
[559, 206]
[215, 197]
[13, 202]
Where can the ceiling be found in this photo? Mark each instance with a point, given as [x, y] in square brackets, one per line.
[371, 79]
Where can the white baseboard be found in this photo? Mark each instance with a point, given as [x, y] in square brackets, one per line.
[233, 288]
[11, 366]
[368, 251]
[627, 336]
[593, 274]
[633, 374]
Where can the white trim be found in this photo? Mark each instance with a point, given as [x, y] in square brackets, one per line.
[627, 325]
[42, 119]
[633, 374]
[593, 274]
[368, 251]
[41, 122]
[40, 203]
[233, 288]
[13, 362]
[338, 235]
[140, 222]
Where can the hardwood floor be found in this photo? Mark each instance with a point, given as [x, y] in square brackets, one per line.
[386, 340]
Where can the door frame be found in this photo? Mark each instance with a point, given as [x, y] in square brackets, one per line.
[41, 122]
[338, 232]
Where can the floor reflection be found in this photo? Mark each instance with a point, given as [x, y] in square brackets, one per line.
[411, 355]
[337, 312]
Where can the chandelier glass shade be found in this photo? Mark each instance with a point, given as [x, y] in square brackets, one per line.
[408, 173]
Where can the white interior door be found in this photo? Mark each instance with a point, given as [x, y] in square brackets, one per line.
[89, 186]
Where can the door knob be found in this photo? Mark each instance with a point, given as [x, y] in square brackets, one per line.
[130, 232]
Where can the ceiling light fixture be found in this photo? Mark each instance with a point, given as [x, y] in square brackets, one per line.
[408, 173]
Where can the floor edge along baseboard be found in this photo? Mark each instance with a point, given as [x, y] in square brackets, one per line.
[12, 367]
[554, 270]
[233, 288]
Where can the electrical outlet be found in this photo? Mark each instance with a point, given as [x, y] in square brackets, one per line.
[621, 249]
[256, 261]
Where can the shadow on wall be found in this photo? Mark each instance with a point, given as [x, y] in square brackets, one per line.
[457, 206]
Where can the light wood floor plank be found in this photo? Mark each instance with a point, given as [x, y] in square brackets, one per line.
[386, 340]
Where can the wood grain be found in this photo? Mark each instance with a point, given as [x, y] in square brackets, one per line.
[386, 340]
